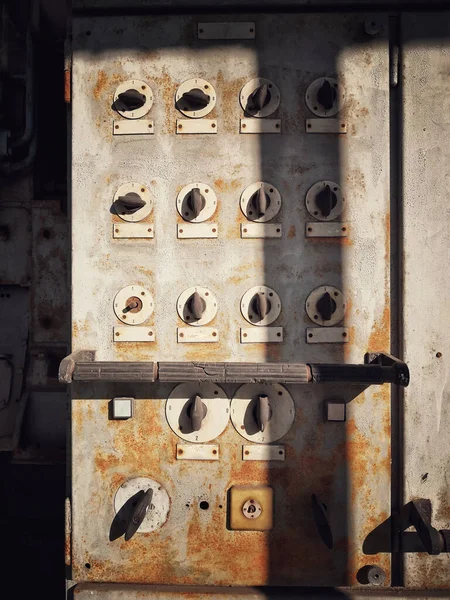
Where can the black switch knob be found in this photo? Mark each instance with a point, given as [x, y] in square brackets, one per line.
[259, 98]
[263, 411]
[196, 306]
[326, 200]
[197, 412]
[131, 202]
[138, 514]
[260, 305]
[129, 100]
[320, 517]
[195, 99]
[260, 202]
[326, 96]
[196, 201]
[326, 306]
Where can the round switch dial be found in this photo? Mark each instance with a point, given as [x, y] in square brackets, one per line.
[196, 202]
[325, 97]
[133, 99]
[154, 514]
[195, 98]
[262, 413]
[198, 412]
[260, 97]
[324, 200]
[132, 202]
[197, 306]
[326, 305]
[133, 305]
[260, 305]
[260, 202]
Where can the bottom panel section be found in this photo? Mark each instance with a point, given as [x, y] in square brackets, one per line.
[231, 481]
[98, 591]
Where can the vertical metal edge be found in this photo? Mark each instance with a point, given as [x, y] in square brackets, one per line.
[396, 244]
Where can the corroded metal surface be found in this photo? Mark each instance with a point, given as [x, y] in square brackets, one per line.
[346, 465]
[426, 124]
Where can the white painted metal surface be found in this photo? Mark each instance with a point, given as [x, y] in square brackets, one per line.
[426, 284]
[254, 125]
[165, 52]
[198, 126]
[326, 126]
[126, 333]
[261, 230]
[197, 335]
[333, 229]
[327, 335]
[260, 335]
[133, 230]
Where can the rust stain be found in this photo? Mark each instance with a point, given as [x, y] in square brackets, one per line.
[227, 186]
[291, 232]
[229, 98]
[101, 84]
[380, 335]
[67, 86]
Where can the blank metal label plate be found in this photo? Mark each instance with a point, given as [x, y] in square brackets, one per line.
[260, 126]
[325, 126]
[130, 333]
[327, 335]
[133, 230]
[226, 31]
[196, 126]
[330, 229]
[251, 335]
[197, 452]
[197, 230]
[133, 127]
[261, 230]
[190, 335]
[263, 452]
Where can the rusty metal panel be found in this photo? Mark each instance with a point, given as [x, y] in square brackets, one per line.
[426, 123]
[346, 464]
[15, 244]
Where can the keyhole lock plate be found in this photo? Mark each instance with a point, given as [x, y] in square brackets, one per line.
[144, 89]
[243, 412]
[135, 188]
[193, 84]
[183, 202]
[216, 417]
[251, 507]
[248, 305]
[312, 101]
[184, 306]
[312, 307]
[247, 202]
[313, 207]
[250, 87]
[133, 305]
[160, 504]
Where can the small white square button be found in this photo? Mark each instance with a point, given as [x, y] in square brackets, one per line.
[122, 408]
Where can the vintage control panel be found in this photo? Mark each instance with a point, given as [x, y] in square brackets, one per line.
[230, 212]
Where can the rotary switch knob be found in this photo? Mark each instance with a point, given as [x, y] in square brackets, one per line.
[131, 202]
[326, 95]
[259, 98]
[326, 306]
[196, 202]
[139, 514]
[196, 306]
[263, 412]
[261, 305]
[326, 200]
[195, 99]
[260, 202]
[129, 100]
[197, 412]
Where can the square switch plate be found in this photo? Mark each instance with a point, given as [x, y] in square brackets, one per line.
[261, 495]
[122, 408]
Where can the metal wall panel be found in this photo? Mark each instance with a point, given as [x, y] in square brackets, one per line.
[347, 464]
[426, 177]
